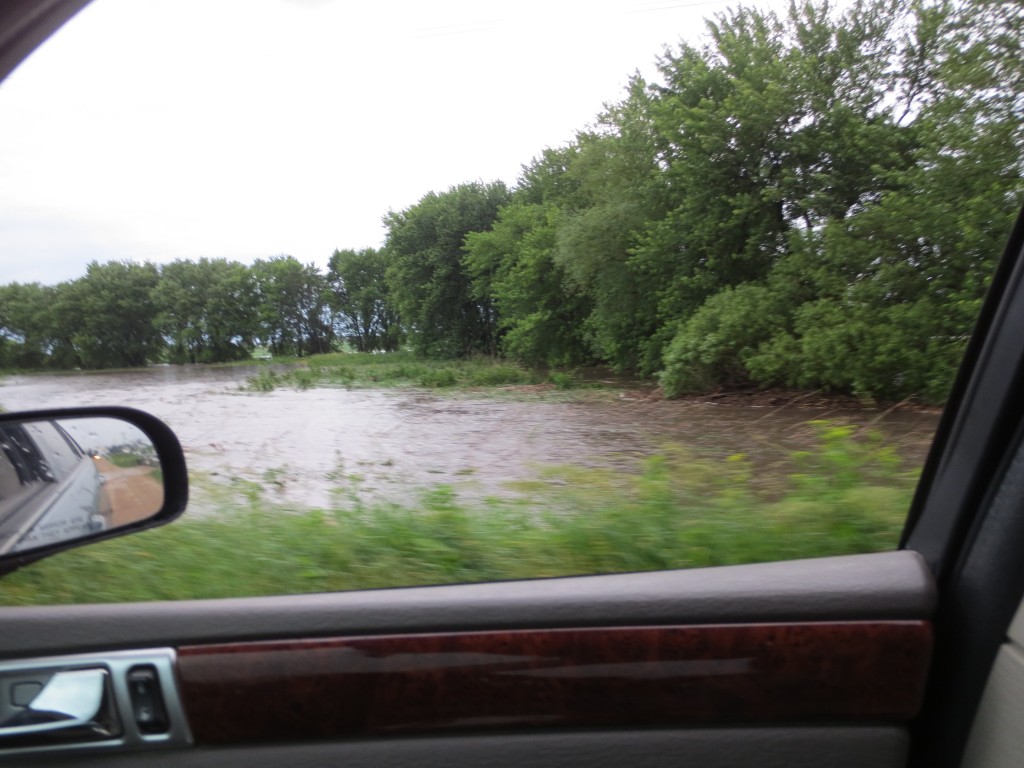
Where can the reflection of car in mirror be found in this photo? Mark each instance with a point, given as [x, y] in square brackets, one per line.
[69, 476]
[50, 489]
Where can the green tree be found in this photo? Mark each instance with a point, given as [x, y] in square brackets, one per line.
[293, 306]
[621, 191]
[713, 347]
[540, 317]
[917, 260]
[207, 310]
[446, 312]
[106, 318]
[361, 302]
[899, 152]
[773, 124]
[27, 327]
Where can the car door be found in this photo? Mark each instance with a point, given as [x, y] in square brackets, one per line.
[877, 660]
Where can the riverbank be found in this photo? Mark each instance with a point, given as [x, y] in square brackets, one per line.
[403, 369]
[400, 369]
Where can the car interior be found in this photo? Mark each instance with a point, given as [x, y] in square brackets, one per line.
[913, 657]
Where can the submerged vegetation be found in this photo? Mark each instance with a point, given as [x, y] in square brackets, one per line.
[813, 200]
[402, 369]
[848, 494]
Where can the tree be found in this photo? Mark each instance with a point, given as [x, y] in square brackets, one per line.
[27, 331]
[206, 310]
[106, 318]
[619, 194]
[361, 302]
[889, 171]
[540, 315]
[773, 124]
[444, 313]
[293, 306]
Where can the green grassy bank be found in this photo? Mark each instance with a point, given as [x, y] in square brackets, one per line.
[848, 494]
[404, 369]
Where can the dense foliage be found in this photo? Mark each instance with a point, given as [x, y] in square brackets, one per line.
[813, 201]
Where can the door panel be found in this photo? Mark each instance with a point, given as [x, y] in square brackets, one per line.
[885, 586]
[835, 747]
[799, 663]
[639, 676]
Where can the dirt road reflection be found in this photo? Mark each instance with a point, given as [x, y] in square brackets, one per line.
[134, 492]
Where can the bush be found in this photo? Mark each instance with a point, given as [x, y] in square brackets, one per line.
[562, 380]
[498, 375]
[712, 347]
[889, 352]
[264, 381]
[438, 377]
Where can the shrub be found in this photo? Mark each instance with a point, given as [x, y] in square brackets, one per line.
[712, 347]
[438, 377]
[264, 381]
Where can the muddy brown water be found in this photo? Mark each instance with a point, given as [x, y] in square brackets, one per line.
[306, 447]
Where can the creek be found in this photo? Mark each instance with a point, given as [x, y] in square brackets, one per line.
[304, 447]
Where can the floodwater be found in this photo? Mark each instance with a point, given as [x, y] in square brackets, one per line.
[304, 447]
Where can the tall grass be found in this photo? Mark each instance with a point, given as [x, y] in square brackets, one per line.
[848, 495]
[393, 369]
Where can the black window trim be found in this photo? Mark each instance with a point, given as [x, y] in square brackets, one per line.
[966, 519]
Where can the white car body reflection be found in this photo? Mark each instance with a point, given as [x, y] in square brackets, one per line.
[50, 490]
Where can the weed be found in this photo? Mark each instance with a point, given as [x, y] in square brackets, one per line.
[355, 369]
[562, 380]
[264, 381]
[123, 460]
[303, 378]
[443, 377]
[499, 374]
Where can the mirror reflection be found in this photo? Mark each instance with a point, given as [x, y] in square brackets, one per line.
[62, 480]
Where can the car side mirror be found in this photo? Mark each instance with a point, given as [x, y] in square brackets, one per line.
[74, 476]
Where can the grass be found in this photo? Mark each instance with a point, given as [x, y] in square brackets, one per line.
[395, 369]
[676, 510]
[124, 460]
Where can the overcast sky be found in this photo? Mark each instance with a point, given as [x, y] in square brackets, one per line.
[164, 129]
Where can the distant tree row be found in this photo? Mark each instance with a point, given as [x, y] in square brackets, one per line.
[123, 314]
[814, 201]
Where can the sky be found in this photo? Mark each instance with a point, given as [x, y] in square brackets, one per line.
[244, 129]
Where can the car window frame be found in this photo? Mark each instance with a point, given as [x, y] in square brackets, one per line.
[973, 468]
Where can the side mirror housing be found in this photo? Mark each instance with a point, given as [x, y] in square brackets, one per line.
[78, 475]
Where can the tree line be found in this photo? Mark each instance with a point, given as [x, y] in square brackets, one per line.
[812, 200]
[124, 314]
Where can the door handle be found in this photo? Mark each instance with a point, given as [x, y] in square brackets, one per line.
[91, 703]
[72, 704]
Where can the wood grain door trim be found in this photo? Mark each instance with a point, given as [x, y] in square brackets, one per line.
[624, 676]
